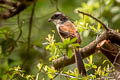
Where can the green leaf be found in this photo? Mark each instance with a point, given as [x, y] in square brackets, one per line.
[70, 53]
[73, 40]
[75, 45]
[59, 43]
[39, 65]
[94, 66]
[66, 41]
[47, 47]
[73, 79]
[91, 59]
[50, 76]
[84, 78]
[93, 28]
[105, 61]
[99, 26]
[46, 68]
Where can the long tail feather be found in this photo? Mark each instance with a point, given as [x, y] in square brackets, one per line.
[79, 62]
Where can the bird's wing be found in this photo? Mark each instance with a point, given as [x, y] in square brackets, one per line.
[68, 30]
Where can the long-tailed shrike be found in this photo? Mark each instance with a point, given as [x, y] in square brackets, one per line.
[67, 29]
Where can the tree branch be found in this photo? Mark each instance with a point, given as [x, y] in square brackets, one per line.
[108, 49]
[87, 50]
[18, 7]
[12, 12]
[114, 37]
[9, 3]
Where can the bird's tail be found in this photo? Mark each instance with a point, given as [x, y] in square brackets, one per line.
[79, 62]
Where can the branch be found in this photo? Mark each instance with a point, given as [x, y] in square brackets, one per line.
[108, 49]
[9, 3]
[18, 7]
[12, 12]
[106, 27]
[112, 52]
[114, 37]
[87, 50]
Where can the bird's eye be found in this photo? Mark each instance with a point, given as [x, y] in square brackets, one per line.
[56, 15]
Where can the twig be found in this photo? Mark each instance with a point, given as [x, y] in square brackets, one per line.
[106, 27]
[68, 75]
[116, 57]
[30, 28]
[20, 29]
[57, 7]
[29, 34]
[56, 75]
[108, 51]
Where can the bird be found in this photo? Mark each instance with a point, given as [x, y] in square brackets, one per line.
[66, 29]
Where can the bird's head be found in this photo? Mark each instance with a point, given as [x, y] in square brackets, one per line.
[58, 18]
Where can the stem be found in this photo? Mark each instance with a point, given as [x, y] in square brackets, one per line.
[20, 29]
[30, 28]
[29, 34]
[57, 7]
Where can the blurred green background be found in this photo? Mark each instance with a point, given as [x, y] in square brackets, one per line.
[107, 11]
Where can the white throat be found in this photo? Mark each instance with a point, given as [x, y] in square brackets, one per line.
[56, 22]
[57, 27]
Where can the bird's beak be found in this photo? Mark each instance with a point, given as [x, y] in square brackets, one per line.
[49, 20]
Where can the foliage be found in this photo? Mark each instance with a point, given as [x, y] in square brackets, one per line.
[94, 71]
